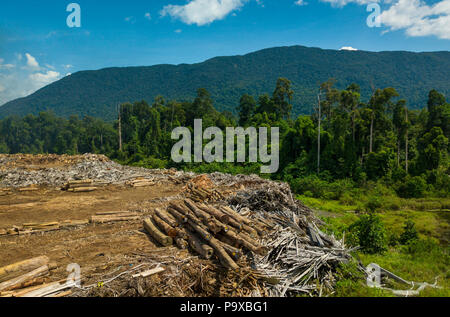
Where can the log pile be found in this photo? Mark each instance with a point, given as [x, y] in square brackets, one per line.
[33, 228]
[29, 279]
[31, 188]
[80, 186]
[140, 182]
[5, 191]
[202, 189]
[209, 231]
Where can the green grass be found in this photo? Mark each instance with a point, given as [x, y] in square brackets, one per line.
[422, 262]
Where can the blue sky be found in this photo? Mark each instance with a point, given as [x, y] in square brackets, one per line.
[37, 47]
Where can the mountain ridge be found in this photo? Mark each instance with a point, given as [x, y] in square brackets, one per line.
[97, 92]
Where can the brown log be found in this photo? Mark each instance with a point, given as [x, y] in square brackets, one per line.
[166, 217]
[82, 190]
[197, 211]
[243, 242]
[165, 227]
[235, 253]
[223, 256]
[175, 213]
[115, 213]
[21, 280]
[181, 208]
[236, 215]
[198, 246]
[216, 213]
[106, 219]
[156, 234]
[16, 269]
[181, 243]
[201, 231]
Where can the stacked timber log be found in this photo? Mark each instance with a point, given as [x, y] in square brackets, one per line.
[140, 182]
[28, 279]
[5, 191]
[202, 194]
[31, 188]
[33, 228]
[114, 216]
[80, 186]
[207, 230]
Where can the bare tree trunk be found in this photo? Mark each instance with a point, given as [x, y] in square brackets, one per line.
[120, 128]
[406, 142]
[353, 127]
[371, 134]
[318, 136]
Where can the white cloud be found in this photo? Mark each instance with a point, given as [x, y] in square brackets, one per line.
[31, 61]
[16, 82]
[202, 12]
[148, 16]
[341, 3]
[415, 17]
[42, 79]
[300, 3]
[419, 19]
[348, 48]
[131, 20]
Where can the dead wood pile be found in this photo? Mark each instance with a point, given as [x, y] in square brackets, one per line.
[301, 258]
[29, 278]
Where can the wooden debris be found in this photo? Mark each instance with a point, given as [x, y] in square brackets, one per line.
[31, 188]
[25, 279]
[156, 234]
[150, 272]
[19, 268]
[140, 182]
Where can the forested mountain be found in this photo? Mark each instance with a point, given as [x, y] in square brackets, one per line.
[97, 93]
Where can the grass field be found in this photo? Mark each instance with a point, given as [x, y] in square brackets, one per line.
[426, 260]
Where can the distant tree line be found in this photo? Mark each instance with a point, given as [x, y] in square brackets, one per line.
[345, 138]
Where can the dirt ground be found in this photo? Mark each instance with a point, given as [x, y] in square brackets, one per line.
[94, 247]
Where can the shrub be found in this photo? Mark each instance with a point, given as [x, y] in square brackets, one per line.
[373, 203]
[414, 187]
[369, 233]
[409, 234]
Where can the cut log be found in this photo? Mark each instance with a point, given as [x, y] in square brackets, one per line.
[222, 217]
[156, 234]
[16, 269]
[166, 217]
[115, 213]
[198, 229]
[235, 253]
[243, 242]
[175, 213]
[223, 256]
[149, 272]
[235, 215]
[17, 282]
[165, 227]
[198, 246]
[106, 219]
[197, 211]
[82, 190]
[181, 243]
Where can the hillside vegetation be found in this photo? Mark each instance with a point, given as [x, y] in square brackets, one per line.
[97, 93]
